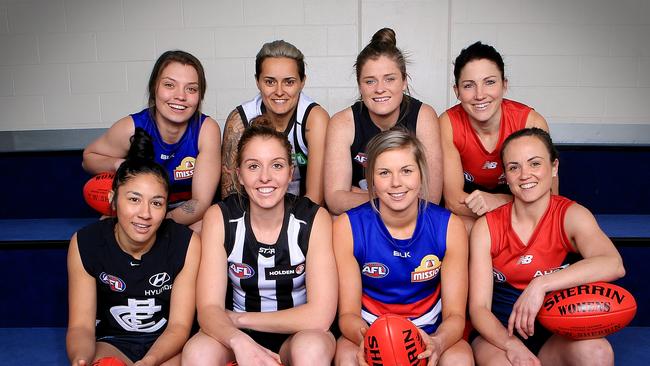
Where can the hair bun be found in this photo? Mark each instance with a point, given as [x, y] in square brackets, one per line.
[262, 121]
[385, 36]
[141, 146]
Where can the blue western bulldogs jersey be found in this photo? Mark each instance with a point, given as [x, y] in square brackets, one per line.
[178, 159]
[401, 276]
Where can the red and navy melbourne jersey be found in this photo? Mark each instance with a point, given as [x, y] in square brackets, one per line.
[515, 264]
[483, 168]
[133, 295]
[178, 159]
[401, 276]
[365, 129]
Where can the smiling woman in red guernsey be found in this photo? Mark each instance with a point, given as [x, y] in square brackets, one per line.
[473, 131]
[535, 244]
[266, 290]
[384, 104]
[132, 278]
[186, 142]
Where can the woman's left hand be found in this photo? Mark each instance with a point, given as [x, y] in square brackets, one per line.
[361, 356]
[433, 349]
[525, 310]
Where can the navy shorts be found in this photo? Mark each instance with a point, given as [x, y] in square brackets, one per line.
[133, 346]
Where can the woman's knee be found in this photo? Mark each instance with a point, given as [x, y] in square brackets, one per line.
[346, 352]
[458, 354]
[202, 349]
[311, 347]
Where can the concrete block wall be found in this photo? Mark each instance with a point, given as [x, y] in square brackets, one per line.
[73, 64]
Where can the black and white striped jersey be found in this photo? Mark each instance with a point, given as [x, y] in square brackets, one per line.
[267, 277]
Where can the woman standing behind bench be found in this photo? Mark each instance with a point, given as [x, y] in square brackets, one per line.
[186, 142]
[511, 247]
[132, 278]
[473, 131]
[280, 78]
[384, 104]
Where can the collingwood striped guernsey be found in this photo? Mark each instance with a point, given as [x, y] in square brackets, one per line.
[266, 277]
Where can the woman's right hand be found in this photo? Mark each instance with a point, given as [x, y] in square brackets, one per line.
[519, 355]
[361, 356]
[249, 353]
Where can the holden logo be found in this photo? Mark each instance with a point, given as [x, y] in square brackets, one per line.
[159, 279]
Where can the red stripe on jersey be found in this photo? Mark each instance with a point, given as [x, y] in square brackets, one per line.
[412, 310]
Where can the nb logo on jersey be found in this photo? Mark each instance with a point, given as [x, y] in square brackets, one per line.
[525, 259]
[159, 279]
[134, 316]
[361, 158]
[375, 270]
[490, 165]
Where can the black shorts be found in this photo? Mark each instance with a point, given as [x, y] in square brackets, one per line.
[270, 341]
[133, 346]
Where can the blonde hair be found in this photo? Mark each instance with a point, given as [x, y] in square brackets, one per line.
[395, 139]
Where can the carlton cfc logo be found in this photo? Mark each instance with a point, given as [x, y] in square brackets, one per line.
[375, 270]
[116, 284]
[241, 270]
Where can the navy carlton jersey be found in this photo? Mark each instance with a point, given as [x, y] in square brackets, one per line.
[178, 159]
[365, 129]
[295, 132]
[515, 263]
[132, 295]
[266, 277]
[401, 276]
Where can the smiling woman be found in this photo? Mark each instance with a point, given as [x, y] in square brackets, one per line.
[136, 263]
[382, 81]
[280, 78]
[186, 142]
[261, 296]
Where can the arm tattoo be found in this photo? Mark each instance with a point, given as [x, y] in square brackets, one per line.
[189, 207]
[232, 134]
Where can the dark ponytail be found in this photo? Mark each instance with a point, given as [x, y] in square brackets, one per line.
[383, 43]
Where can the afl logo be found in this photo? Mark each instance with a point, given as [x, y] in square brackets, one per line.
[468, 177]
[241, 270]
[159, 279]
[375, 270]
[498, 276]
[116, 284]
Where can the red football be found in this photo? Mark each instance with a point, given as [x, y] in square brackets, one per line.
[393, 340]
[109, 361]
[593, 310]
[96, 192]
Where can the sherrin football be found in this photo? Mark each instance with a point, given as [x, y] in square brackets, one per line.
[593, 310]
[393, 340]
[109, 361]
[96, 192]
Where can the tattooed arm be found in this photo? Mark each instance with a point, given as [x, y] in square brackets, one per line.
[232, 133]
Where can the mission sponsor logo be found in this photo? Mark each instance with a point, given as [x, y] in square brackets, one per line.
[241, 270]
[185, 170]
[375, 270]
[284, 272]
[427, 270]
[115, 283]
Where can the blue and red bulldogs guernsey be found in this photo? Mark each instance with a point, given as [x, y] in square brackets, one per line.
[515, 264]
[401, 276]
[178, 159]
